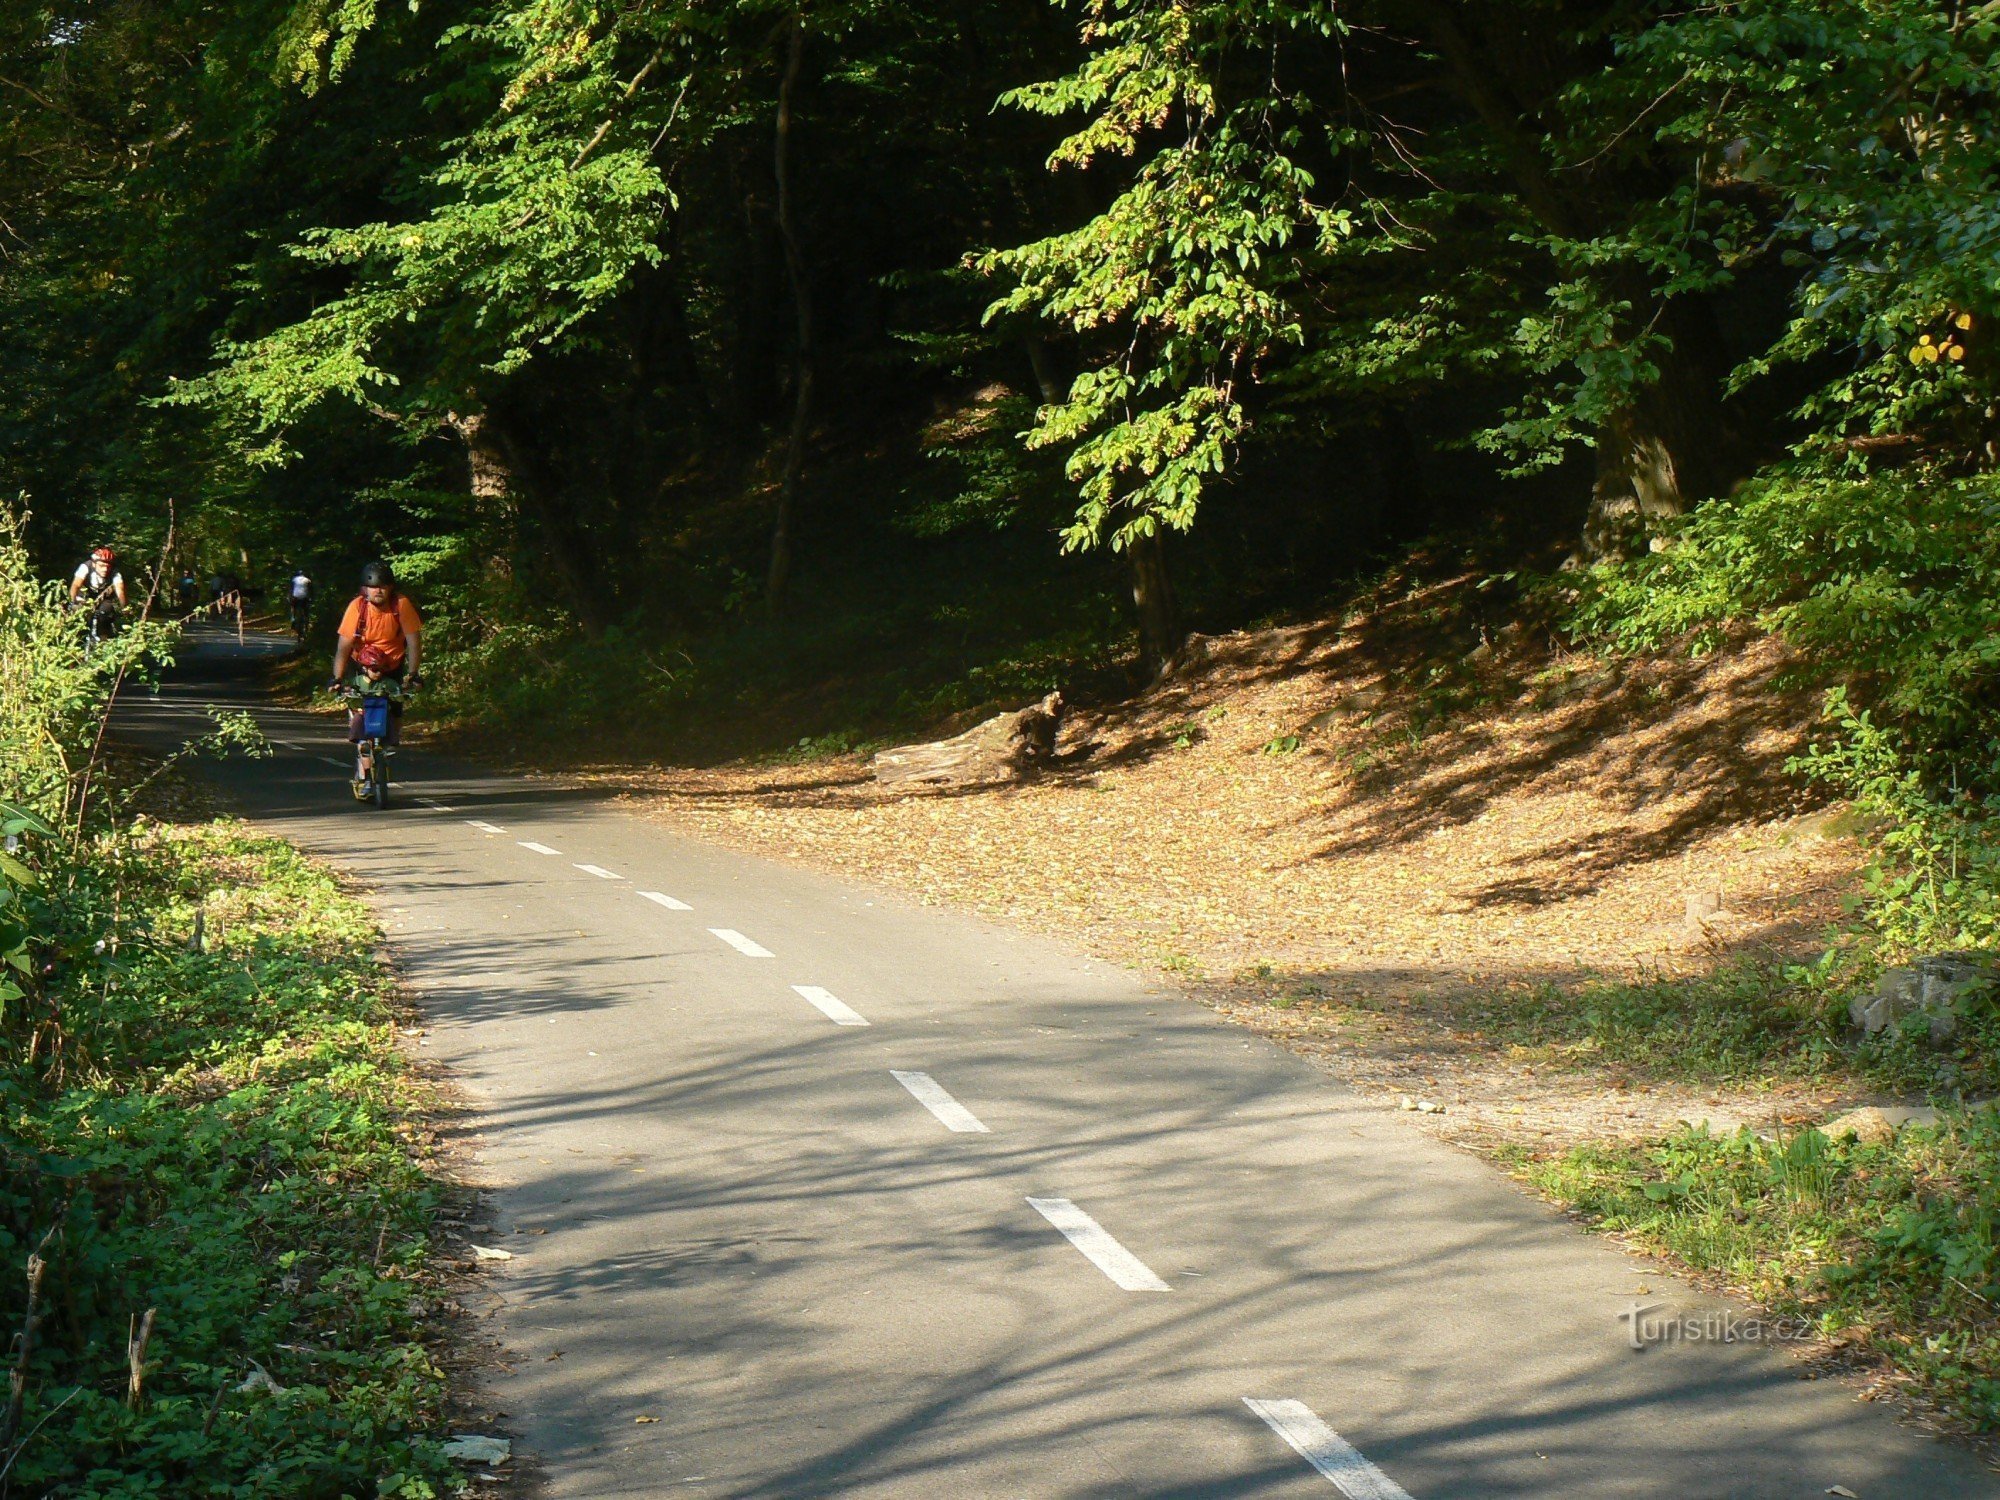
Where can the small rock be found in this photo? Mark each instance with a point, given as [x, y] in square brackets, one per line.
[259, 1379]
[480, 1252]
[472, 1448]
[1873, 1124]
[1429, 1107]
[1938, 988]
[1841, 1489]
[1701, 905]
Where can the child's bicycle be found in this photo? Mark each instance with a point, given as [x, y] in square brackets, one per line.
[374, 701]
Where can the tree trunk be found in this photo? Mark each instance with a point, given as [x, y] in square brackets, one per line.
[802, 372]
[1160, 628]
[1047, 382]
[1672, 447]
[1638, 485]
[502, 479]
[1003, 748]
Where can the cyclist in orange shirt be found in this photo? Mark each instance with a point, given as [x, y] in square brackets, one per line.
[381, 635]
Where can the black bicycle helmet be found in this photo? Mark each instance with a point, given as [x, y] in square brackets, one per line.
[378, 575]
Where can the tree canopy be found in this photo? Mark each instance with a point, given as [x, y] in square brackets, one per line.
[482, 282]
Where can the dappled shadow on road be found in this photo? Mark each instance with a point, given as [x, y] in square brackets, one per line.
[751, 1236]
[774, 1230]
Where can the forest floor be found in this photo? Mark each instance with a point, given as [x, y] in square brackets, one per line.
[1407, 848]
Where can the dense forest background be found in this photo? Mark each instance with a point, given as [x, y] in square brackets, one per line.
[914, 355]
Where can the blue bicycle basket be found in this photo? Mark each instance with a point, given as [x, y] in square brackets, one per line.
[375, 718]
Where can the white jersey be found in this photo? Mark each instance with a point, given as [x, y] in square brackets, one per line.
[302, 587]
[93, 578]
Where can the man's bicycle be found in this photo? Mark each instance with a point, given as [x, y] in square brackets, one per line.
[102, 619]
[373, 702]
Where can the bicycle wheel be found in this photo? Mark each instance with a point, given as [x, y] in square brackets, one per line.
[381, 779]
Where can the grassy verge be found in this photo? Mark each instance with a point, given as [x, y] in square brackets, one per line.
[223, 1137]
[1748, 1023]
[1887, 1246]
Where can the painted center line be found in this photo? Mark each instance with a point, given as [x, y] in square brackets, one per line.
[1098, 1247]
[600, 872]
[740, 943]
[435, 806]
[927, 1091]
[661, 898]
[484, 827]
[538, 848]
[832, 1009]
[336, 761]
[1327, 1451]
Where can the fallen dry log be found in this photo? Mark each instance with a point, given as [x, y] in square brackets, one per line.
[1005, 747]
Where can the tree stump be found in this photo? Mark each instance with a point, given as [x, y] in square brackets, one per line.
[1005, 747]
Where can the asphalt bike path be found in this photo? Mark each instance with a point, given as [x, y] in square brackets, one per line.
[815, 1192]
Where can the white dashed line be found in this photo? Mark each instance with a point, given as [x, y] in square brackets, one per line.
[336, 761]
[483, 827]
[538, 848]
[1098, 1247]
[831, 1008]
[600, 872]
[661, 898]
[930, 1094]
[434, 805]
[1327, 1451]
[740, 943]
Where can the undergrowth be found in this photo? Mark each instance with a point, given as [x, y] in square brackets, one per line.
[1887, 1246]
[218, 1140]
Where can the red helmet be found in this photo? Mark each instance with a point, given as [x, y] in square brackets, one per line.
[104, 555]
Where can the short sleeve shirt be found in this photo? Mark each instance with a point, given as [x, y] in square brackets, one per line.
[382, 628]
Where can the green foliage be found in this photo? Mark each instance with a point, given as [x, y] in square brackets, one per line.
[1190, 267]
[1889, 1245]
[530, 226]
[1877, 127]
[218, 1135]
[211, 1129]
[51, 696]
[1746, 1021]
[1889, 586]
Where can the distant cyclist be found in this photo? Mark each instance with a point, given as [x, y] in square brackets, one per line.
[301, 591]
[381, 638]
[98, 586]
